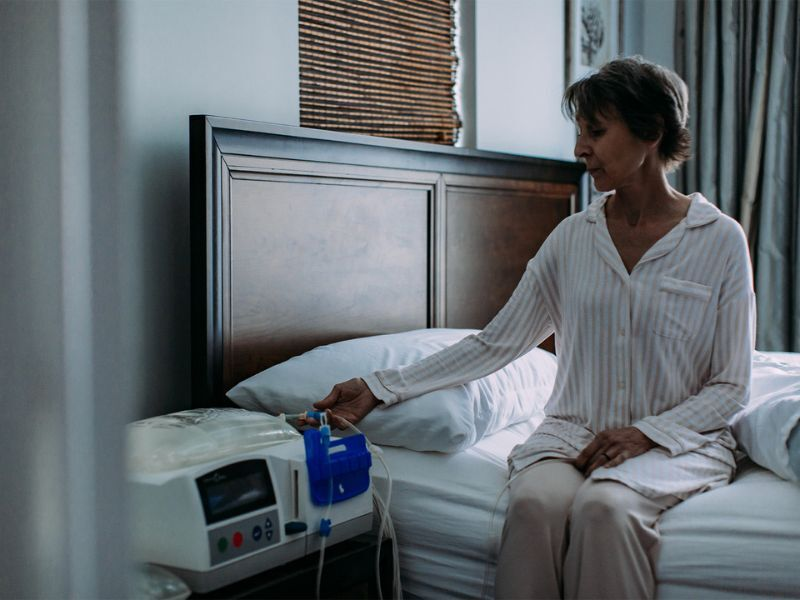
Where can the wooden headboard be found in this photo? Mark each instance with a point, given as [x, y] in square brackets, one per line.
[303, 237]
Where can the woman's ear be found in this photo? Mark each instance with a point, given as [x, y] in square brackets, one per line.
[653, 145]
[656, 141]
[658, 133]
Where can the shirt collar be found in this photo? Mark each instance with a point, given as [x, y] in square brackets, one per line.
[701, 211]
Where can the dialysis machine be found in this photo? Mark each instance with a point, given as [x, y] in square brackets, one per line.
[218, 495]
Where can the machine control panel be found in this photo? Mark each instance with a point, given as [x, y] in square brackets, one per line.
[243, 537]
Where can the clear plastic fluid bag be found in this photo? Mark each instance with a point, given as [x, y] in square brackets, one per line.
[197, 436]
[155, 583]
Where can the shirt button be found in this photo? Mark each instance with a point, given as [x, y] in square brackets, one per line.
[622, 332]
[621, 385]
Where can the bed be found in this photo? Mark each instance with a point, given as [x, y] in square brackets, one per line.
[305, 238]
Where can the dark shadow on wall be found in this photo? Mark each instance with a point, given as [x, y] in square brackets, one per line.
[164, 295]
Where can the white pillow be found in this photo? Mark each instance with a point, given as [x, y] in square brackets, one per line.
[446, 420]
[764, 429]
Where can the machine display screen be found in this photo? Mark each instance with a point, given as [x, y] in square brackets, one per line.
[235, 490]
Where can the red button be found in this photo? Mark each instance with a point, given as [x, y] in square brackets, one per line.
[237, 539]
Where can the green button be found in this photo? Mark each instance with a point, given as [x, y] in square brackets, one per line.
[222, 544]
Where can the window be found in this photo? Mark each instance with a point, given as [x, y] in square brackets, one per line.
[379, 67]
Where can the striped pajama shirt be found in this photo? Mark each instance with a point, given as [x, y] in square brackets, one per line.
[666, 348]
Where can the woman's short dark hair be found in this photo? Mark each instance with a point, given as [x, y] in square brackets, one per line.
[650, 99]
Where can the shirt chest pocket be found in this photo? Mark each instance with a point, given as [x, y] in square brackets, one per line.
[680, 308]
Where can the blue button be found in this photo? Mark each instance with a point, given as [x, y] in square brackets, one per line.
[257, 533]
[268, 524]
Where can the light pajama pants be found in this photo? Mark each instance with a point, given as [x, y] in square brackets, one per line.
[569, 537]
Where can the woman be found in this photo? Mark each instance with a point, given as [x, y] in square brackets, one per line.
[649, 293]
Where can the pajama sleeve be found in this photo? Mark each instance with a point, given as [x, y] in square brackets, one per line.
[525, 321]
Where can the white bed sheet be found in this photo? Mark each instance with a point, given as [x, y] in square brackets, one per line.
[739, 541]
[790, 358]
[441, 507]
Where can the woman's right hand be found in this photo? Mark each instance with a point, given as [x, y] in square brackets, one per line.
[351, 400]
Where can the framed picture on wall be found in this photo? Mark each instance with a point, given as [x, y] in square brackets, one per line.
[593, 34]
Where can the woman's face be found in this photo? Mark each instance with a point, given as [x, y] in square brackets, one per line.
[613, 155]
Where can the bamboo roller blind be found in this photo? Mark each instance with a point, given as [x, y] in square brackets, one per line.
[379, 67]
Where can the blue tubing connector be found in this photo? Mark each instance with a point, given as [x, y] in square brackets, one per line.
[324, 527]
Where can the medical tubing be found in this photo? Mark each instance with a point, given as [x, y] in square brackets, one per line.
[384, 519]
[377, 453]
[325, 430]
[395, 550]
[398, 588]
[384, 513]
[490, 538]
[290, 418]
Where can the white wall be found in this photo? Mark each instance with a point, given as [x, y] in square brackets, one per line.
[237, 58]
[519, 74]
[519, 69]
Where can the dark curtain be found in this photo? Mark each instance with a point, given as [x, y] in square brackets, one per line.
[741, 61]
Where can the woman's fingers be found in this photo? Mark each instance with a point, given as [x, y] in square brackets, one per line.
[329, 400]
[605, 459]
[335, 420]
[613, 456]
[587, 455]
[613, 451]
[617, 460]
[349, 401]
[356, 408]
[608, 449]
[601, 450]
[600, 459]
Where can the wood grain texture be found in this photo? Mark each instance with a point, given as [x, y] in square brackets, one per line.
[314, 261]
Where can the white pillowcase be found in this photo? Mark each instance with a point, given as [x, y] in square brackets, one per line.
[764, 429]
[446, 420]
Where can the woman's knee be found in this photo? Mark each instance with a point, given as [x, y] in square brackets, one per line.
[543, 494]
[600, 504]
[537, 505]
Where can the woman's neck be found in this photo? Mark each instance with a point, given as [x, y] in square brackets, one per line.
[647, 202]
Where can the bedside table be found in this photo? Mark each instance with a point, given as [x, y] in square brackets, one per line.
[349, 572]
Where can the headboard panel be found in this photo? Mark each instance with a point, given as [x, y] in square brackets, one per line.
[303, 237]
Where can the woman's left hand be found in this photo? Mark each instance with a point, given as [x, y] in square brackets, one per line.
[612, 447]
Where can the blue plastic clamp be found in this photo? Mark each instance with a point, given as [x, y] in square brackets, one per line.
[337, 470]
[324, 527]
